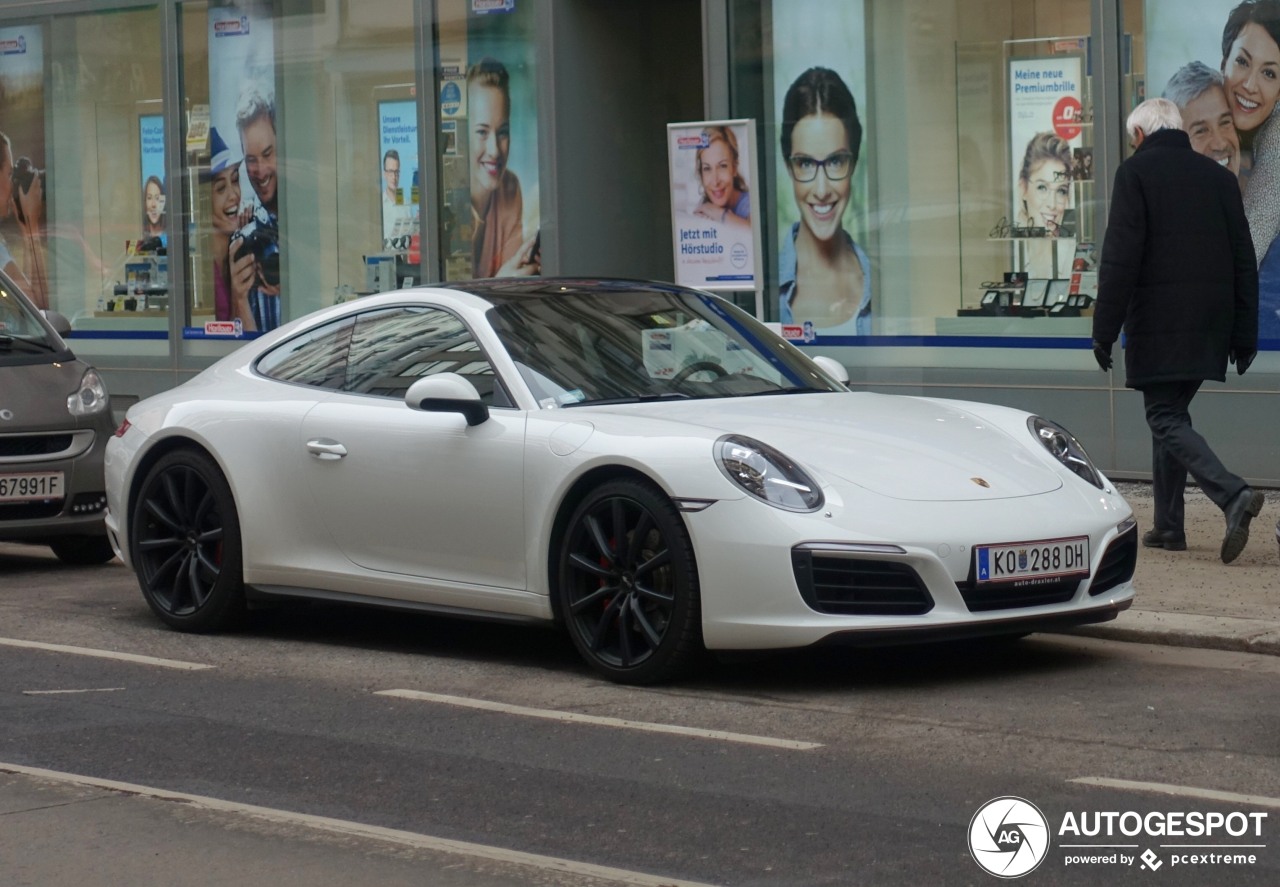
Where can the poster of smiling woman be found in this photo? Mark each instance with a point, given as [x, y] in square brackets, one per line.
[1219, 61]
[715, 235]
[820, 87]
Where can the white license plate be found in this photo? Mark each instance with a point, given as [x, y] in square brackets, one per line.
[35, 486]
[1047, 558]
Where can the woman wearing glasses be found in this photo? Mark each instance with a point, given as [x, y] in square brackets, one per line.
[1043, 197]
[825, 277]
[1044, 184]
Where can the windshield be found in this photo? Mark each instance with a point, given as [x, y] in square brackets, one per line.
[581, 347]
[21, 332]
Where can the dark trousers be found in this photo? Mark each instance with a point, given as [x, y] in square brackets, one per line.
[1178, 449]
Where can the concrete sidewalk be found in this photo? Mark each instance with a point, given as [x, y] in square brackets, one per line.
[1190, 598]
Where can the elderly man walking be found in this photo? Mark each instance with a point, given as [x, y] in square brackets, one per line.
[1178, 274]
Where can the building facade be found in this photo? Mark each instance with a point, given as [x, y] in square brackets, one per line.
[186, 174]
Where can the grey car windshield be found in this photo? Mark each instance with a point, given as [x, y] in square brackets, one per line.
[584, 346]
[21, 332]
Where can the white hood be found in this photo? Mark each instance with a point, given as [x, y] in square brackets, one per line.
[902, 447]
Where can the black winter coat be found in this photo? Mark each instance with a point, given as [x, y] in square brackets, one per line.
[1177, 267]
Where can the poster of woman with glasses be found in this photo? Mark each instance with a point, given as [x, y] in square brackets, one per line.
[824, 275]
[1045, 130]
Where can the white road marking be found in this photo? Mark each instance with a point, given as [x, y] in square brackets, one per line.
[575, 718]
[1183, 791]
[104, 654]
[56, 692]
[359, 829]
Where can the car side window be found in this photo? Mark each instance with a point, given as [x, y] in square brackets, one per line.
[393, 348]
[318, 357]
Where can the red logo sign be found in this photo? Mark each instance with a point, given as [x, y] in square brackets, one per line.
[1066, 117]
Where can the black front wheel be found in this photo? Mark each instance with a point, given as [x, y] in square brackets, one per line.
[628, 584]
[185, 543]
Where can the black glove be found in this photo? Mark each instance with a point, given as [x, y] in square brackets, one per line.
[1242, 358]
[1102, 354]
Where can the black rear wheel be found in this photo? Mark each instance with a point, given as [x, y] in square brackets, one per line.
[185, 543]
[628, 584]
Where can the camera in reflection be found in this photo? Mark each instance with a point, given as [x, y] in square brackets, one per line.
[23, 176]
[261, 238]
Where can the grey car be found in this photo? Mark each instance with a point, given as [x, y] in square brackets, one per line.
[55, 419]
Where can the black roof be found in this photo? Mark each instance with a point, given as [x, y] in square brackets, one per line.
[504, 289]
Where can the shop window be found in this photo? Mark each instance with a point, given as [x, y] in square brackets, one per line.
[893, 140]
[82, 182]
[302, 146]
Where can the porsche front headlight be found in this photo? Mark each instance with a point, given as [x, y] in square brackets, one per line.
[767, 474]
[90, 397]
[1065, 448]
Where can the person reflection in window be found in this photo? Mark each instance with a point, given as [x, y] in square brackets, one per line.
[825, 277]
[13, 201]
[153, 222]
[498, 245]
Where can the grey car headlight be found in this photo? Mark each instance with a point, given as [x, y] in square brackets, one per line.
[767, 474]
[1065, 448]
[90, 397]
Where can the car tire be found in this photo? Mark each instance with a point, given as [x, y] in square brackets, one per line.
[628, 584]
[82, 551]
[184, 542]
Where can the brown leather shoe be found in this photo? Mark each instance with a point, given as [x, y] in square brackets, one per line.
[1246, 505]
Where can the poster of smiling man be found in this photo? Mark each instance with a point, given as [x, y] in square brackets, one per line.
[242, 108]
[22, 160]
[1219, 61]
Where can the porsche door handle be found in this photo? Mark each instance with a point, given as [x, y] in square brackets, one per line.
[326, 449]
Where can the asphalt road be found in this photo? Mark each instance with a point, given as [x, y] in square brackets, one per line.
[817, 767]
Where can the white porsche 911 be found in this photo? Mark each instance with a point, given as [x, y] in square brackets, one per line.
[647, 465]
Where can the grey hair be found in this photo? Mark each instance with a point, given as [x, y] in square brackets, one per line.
[1190, 81]
[256, 101]
[1153, 115]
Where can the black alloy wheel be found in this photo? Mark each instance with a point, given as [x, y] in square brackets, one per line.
[628, 584]
[185, 543]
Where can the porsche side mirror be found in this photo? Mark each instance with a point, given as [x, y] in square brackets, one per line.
[833, 368]
[447, 393]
